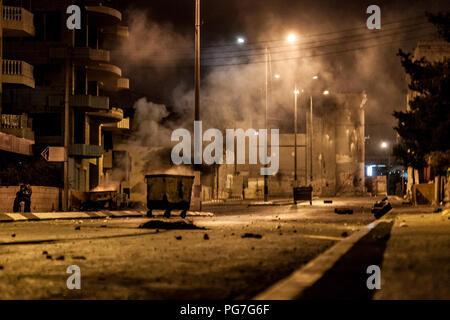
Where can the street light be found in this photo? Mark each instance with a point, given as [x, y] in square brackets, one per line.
[384, 145]
[291, 38]
[296, 93]
[277, 76]
[315, 77]
[326, 92]
[240, 40]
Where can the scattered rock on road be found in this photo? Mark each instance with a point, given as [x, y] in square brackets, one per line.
[178, 237]
[44, 252]
[403, 225]
[344, 234]
[79, 257]
[60, 258]
[48, 257]
[205, 236]
[343, 211]
[13, 235]
[77, 228]
[169, 225]
[251, 235]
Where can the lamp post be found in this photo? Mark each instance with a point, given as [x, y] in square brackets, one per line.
[296, 93]
[384, 145]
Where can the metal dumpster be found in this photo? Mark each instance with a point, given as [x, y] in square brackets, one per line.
[303, 194]
[167, 192]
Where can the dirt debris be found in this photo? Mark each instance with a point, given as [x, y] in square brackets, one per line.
[169, 225]
[251, 235]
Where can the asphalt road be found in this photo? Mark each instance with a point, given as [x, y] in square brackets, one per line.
[118, 260]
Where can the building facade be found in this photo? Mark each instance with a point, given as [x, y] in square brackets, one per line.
[46, 53]
[330, 155]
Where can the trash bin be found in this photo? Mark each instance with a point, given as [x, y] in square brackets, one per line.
[303, 193]
[168, 192]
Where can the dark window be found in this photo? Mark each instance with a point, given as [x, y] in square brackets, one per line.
[48, 124]
[53, 26]
[80, 81]
[79, 123]
[39, 25]
[107, 140]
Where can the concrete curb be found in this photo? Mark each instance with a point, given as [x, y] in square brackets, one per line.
[40, 216]
[291, 287]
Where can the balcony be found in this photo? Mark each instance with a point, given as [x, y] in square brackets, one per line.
[123, 124]
[111, 115]
[85, 151]
[17, 72]
[17, 22]
[116, 32]
[116, 84]
[113, 35]
[85, 54]
[17, 125]
[89, 103]
[103, 72]
[103, 15]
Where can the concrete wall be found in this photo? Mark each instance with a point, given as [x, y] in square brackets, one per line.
[423, 193]
[43, 199]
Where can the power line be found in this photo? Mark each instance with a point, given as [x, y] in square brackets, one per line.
[299, 57]
[377, 37]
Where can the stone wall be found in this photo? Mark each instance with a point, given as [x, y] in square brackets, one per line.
[43, 199]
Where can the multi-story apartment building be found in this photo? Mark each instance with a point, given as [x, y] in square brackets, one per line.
[50, 48]
[16, 135]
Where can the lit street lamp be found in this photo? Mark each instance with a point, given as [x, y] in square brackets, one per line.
[384, 145]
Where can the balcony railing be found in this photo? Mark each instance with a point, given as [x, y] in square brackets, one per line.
[15, 121]
[85, 150]
[123, 124]
[17, 72]
[17, 22]
[90, 103]
[17, 125]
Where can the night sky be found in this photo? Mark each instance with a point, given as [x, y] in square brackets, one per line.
[376, 70]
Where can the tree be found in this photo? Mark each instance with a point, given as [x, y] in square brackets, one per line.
[425, 127]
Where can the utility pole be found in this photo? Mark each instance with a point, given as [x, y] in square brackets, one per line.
[266, 187]
[197, 180]
[296, 92]
[66, 136]
[310, 140]
[197, 60]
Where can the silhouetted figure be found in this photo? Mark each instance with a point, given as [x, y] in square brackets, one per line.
[20, 197]
[27, 197]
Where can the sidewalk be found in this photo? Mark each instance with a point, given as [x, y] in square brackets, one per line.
[411, 245]
[58, 215]
[416, 262]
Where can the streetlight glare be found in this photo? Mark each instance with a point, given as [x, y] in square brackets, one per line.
[291, 38]
[326, 92]
[315, 77]
[384, 145]
[296, 91]
[277, 76]
[240, 40]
